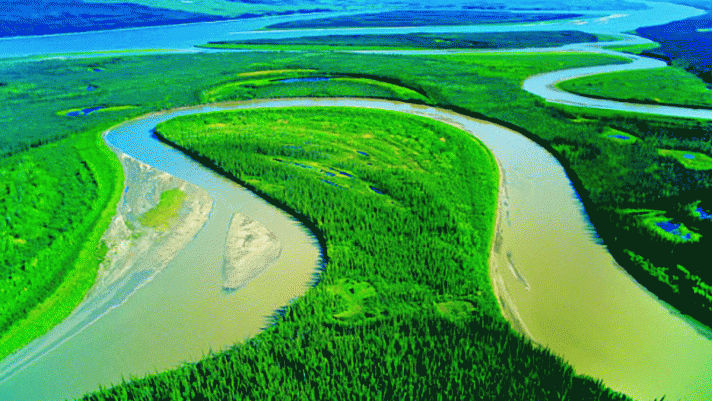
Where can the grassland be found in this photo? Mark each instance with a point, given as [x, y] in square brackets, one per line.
[490, 40]
[312, 84]
[634, 49]
[669, 86]
[164, 215]
[80, 111]
[618, 136]
[691, 160]
[610, 176]
[406, 289]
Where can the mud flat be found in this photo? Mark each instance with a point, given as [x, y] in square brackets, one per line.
[134, 247]
[249, 250]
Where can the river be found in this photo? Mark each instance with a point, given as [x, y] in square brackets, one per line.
[563, 288]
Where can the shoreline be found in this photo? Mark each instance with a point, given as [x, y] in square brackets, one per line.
[506, 305]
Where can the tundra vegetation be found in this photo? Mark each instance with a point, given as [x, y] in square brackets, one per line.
[413, 41]
[616, 178]
[403, 18]
[669, 86]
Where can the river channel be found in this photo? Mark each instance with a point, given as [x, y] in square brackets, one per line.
[559, 286]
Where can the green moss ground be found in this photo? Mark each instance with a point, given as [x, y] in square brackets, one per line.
[164, 215]
[699, 161]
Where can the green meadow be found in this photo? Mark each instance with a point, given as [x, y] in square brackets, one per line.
[669, 86]
[691, 160]
[413, 41]
[330, 86]
[57, 200]
[635, 49]
[164, 215]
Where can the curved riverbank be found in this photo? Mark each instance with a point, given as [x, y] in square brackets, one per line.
[545, 86]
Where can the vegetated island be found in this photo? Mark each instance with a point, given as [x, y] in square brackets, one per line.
[413, 41]
[407, 208]
[422, 18]
[671, 86]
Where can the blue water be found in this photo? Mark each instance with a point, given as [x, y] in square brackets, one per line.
[84, 112]
[346, 174]
[673, 228]
[98, 70]
[92, 109]
[362, 153]
[624, 137]
[293, 80]
[703, 213]
[91, 88]
[376, 190]
[688, 156]
[331, 183]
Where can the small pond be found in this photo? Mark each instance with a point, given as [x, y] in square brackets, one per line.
[294, 80]
[703, 213]
[673, 228]
[84, 112]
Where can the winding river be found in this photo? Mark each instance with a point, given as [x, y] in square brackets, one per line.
[560, 287]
